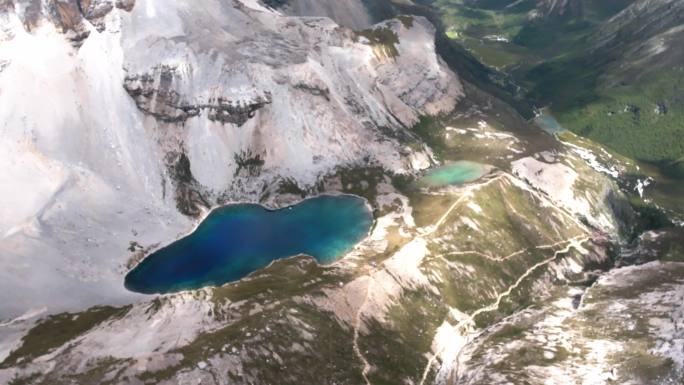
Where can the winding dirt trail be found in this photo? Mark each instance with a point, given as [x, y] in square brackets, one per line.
[355, 342]
[467, 193]
[467, 326]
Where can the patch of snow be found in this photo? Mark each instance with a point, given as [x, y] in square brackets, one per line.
[475, 207]
[592, 160]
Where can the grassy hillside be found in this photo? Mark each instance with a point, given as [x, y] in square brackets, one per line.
[613, 77]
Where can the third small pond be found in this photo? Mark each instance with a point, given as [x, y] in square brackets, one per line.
[547, 122]
[454, 173]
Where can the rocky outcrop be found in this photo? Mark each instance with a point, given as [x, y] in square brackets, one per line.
[174, 92]
[96, 10]
[188, 195]
[68, 17]
[71, 17]
[237, 113]
[126, 5]
[155, 97]
[154, 94]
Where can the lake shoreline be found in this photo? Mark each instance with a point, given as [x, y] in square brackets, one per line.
[326, 239]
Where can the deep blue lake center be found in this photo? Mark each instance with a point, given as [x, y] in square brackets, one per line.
[236, 240]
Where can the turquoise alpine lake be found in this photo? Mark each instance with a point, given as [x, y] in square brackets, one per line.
[548, 123]
[455, 173]
[236, 240]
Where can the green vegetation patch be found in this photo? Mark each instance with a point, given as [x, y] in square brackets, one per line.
[643, 120]
[396, 348]
[284, 344]
[59, 329]
[361, 181]
[486, 30]
[284, 278]
[596, 93]
[382, 39]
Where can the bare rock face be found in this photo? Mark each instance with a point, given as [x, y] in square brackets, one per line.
[236, 113]
[231, 88]
[95, 11]
[126, 5]
[264, 87]
[154, 94]
[67, 16]
[645, 37]
[126, 122]
[71, 17]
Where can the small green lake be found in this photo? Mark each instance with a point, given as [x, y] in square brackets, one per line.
[454, 173]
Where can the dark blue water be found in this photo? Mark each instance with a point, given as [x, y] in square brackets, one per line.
[236, 240]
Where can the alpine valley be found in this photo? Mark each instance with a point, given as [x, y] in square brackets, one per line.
[349, 192]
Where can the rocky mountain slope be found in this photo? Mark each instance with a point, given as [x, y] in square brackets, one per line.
[123, 124]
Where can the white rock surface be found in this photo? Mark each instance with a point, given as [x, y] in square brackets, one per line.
[86, 170]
